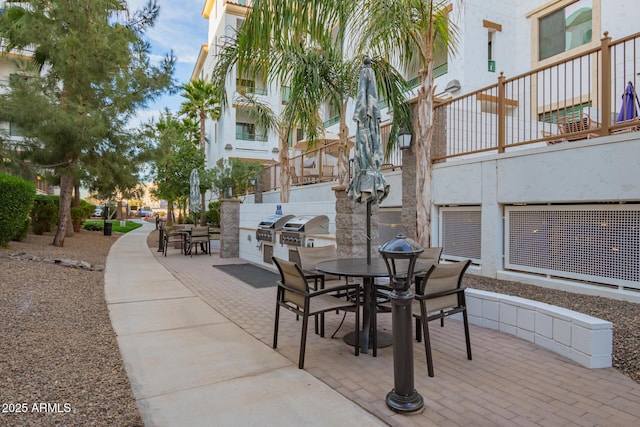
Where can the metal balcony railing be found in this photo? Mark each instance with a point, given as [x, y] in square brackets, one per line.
[577, 98]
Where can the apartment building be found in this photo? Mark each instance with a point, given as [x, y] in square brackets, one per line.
[535, 180]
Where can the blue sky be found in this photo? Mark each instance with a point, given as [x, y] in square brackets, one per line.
[182, 28]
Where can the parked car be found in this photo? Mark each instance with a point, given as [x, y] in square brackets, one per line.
[144, 212]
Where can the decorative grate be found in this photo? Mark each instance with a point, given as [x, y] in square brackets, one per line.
[594, 243]
[460, 232]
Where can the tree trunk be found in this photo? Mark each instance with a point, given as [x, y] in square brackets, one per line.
[423, 156]
[285, 173]
[343, 168]
[203, 210]
[66, 191]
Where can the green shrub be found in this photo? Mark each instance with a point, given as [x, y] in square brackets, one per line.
[44, 215]
[77, 216]
[22, 232]
[93, 225]
[16, 201]
[213, 213]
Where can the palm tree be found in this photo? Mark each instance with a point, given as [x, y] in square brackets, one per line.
[411, 31]
[303, 49]
[201, 103]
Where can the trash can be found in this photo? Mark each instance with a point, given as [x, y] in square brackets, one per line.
[107, 228]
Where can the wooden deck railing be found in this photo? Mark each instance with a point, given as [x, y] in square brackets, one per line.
[546, 105]
[576, 98]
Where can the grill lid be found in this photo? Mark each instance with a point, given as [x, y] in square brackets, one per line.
[318, 224]
[274, 222]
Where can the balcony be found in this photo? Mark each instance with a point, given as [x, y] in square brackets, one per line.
[567, 101]
[248, 136]
[577, 98]
[332, 121]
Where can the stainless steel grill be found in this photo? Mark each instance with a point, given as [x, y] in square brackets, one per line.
[267, 228]
[294, 231]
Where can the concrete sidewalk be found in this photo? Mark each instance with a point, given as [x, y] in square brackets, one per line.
[188, 365]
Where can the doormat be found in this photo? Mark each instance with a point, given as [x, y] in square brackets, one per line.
[250, 274]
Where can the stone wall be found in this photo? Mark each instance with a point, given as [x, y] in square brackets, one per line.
[230, 228]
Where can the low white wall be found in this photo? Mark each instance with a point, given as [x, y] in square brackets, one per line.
[584, 339]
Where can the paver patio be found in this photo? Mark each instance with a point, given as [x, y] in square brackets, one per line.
[510, 381]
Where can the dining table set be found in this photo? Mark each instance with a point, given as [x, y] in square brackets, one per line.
[369, 270]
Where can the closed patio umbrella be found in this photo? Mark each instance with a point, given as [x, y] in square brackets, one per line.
[368, 184]
[628, 110]
[194, 192]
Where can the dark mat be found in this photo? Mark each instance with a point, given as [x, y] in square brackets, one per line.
[250, 274]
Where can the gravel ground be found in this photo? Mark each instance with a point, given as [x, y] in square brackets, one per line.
[59, 359]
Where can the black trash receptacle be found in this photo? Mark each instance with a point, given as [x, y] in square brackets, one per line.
[107, 228]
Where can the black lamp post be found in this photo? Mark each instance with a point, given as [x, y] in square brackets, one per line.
[400, 255]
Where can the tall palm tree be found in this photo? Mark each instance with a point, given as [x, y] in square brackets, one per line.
[302, 47]
[201, 102]
[410, 31]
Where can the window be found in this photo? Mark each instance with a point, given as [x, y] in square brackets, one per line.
[299, 137]
[285, 94]
[249, 132]
[14, 130]
[565, 29]
[333, 112]
[570, 112]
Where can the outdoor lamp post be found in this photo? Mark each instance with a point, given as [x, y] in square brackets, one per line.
[400, 255]
[404, 139]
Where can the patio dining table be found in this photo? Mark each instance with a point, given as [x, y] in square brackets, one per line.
[359, 267]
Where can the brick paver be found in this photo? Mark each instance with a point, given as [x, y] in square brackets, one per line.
[510, 381]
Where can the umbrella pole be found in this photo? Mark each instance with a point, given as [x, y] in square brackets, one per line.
[369, 232]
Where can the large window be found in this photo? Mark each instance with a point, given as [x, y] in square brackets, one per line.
[565, 29]
[249, 132]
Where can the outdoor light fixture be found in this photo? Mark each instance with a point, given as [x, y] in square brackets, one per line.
[229, 192]
[453, 85]
[275, 150]
[404, 139]
[400, 255]
[228, 147]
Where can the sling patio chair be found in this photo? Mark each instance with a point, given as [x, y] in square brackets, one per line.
[176, 237]
[294, 294]
[438, 295]
[198, 236]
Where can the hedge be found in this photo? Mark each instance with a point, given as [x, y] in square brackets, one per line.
[16, 200]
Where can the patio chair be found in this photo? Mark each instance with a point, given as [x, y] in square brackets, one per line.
[176, 237]
[198, 236]
[310, 256]
[438, 295]
[294, 294]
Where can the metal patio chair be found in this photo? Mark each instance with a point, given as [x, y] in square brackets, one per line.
[295, 295]
[438, 295]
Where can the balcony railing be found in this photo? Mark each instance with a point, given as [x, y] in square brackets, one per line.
[320, 164]
[577, 98]
[252, 90]
[332, 121]
[248, 136]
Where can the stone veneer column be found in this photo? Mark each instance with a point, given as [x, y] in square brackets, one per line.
[351, 223]
[409, 192]
[230, 228]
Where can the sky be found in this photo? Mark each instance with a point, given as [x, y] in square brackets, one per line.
[180, 27]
